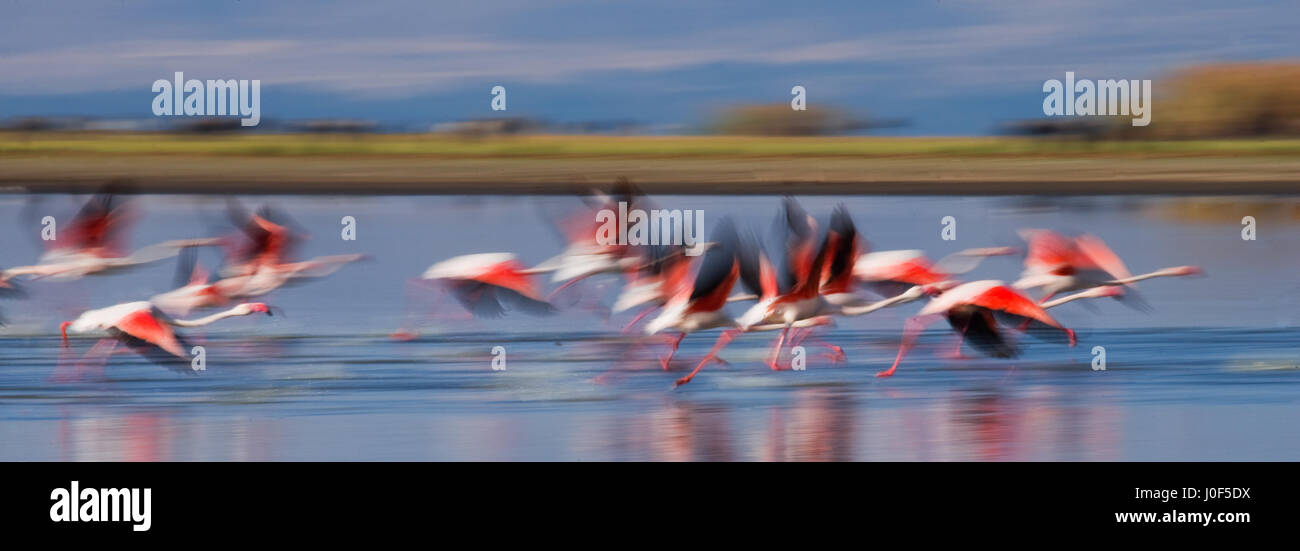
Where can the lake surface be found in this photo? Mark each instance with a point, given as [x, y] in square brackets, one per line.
[1210, 373]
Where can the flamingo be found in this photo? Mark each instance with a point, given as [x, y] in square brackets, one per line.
[198, 292]
[66, 265]
[486, 283]
[652, 286]
[1057, 264]
[195, 291]
[91, 244]
[584, 257]
[798, 297]
[267, 278]
[260, 241]
[258, 261]
[816, 285]
[147, 330]
[771, 313]
[973, 310]
[697, 304]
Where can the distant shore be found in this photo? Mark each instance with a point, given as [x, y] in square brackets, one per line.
[434, 164]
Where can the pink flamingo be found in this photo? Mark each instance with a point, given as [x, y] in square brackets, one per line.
[144, 328]
[697, 304]
[1057, 264]
[91, 244]
[818, 281]
[973, 310]
[485, 284]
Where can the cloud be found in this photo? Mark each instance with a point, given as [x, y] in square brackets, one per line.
[943, 49]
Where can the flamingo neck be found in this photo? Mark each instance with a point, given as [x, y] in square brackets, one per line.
[899, 299]
[208, 319]
[1090, 293]
[1137, 278]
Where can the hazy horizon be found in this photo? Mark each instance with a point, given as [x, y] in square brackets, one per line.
[948, 68]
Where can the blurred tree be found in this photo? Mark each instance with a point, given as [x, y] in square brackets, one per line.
[778, 119]
[1228, 100]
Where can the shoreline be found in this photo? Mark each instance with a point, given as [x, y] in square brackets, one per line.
[54, 162]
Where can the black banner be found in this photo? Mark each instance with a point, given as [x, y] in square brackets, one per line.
[323, 500]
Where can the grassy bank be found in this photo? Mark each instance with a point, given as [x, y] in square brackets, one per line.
[24, 143]
[410, 163]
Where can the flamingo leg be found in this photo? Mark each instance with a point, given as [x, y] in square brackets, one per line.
[66, 370]
[961, 338]
[644, 313]
[717, 347]
[672, 350]
[836, 354]
[411, 288]
[99, 354]
[911, 329]
[588, 301]
[797, 335]
[566, 285]
[776, 350]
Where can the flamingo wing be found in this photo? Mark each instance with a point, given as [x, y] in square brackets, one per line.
[979, 328]
[842, 240]
[756, 272]
[489, 301]
[1008, 300]
[718, 270]
[145, 326]
[810, 285]
[1049, 251]
[485, 283]
[96, 226]
[509, 275]
[675, 279]
[889, 273]
[1096, 254]
[268, 239]
[799, 237]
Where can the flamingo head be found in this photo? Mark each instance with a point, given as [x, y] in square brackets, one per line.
[1073, 340]
[938, 288]
[993, 251]
[63, 330]
[1185, 271]
[252, 308]
[916, 292]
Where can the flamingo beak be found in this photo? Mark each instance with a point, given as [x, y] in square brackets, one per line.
[63, 330]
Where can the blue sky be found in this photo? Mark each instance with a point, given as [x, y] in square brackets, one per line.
[948, 66]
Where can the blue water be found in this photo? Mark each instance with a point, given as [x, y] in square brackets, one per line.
[1210, 374]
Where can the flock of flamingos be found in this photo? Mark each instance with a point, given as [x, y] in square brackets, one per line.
[801, 279]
